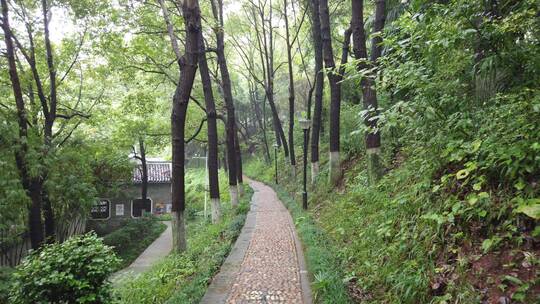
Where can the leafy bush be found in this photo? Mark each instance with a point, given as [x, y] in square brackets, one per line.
[5, 279]
[133, 238]
[75, 271]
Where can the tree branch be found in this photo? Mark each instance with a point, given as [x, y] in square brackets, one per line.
[196, 132]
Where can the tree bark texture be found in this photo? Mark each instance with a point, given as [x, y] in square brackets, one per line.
[335, 92]
[319, 86]
[213, 179]
[369, 93]
[144, 170]
[291, 90]
[217, 11]
[188, 69]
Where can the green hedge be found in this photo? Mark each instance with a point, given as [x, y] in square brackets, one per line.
[134, 237]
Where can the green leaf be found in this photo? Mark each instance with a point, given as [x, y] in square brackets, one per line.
[472, 200]
[520, 185]
[487, 244]
[513, 280]
[463, 173]
[532, 211]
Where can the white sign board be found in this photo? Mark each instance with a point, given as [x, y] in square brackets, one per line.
[119, 209]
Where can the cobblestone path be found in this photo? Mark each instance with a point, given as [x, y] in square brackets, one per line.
[267, 264]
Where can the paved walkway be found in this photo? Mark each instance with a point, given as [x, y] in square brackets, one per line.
[159, 249]
[266, 264]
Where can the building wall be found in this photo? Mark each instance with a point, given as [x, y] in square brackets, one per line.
[160, 194]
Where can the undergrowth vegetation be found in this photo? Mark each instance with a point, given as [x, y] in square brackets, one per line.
[454, 218]
[129, 241]
[183, 278]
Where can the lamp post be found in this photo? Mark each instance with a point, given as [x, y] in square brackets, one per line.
[305, 124]
[275, 160]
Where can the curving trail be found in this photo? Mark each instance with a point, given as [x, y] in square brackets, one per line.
[266, 264]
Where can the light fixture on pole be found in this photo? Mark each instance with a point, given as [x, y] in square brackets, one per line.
[276, 146]
[305, 124]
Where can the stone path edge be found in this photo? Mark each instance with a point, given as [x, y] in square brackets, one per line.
[218, 290]
[304, 274]
[305, 282]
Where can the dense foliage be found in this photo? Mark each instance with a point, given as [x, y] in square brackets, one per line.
[75, 271]
[130, 240]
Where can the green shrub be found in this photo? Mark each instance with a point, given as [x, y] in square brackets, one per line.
[5, 279]
[75, 271]
[129, 241]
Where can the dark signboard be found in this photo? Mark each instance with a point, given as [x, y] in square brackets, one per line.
[140, 206]
[101, 210]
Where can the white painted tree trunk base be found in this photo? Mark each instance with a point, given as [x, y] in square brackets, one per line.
[216, 210]
[374, 165]
[335, 167]
[314, 171]
[233, 191]
[178, 232]
[240, 190]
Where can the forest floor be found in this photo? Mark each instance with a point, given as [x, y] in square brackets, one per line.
[266, 264]
[159, 249]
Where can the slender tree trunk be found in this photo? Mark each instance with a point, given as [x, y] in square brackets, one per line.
[260, 120]
[188, 68]
[217, 11]
[239, 172]
[319, 85]
[50, 117]
[225, 165]
[144, 171]
[213, 180]
[32, 185]
[291, 92]
[369, 93]
[266, 52]
[335, 92]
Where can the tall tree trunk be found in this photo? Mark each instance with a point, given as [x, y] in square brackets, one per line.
[50, 117]
[369, 93]
[144, 170]
[254, 97]
[319, 85]
[212, 157]
[188, 68]
[335, 92]
[217, 11]
[291, 92]
[266, 51]
[31, 185]
[238, 154]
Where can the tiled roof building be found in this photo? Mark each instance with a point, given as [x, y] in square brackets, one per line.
[158, 172]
